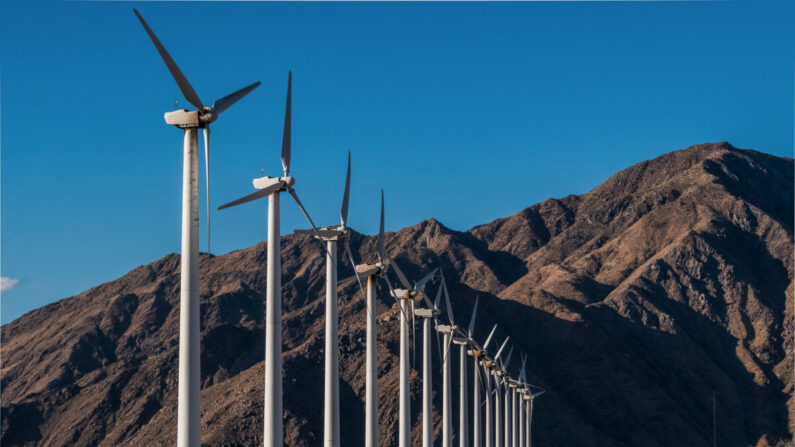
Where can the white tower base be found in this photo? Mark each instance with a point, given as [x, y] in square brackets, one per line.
[273, 436]
[189, 405]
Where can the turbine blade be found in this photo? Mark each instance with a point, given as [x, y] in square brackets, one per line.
[488, 339]
[227, 101]
[182, 82]
[427, 301]
[344, 209]
[392, 294]
[501, 348]
[207, 178]
[348, 278]
[482, 381]
[488, 379]
[508, 358]
[447, 348]
[401, 276]
[287, 135]
[437, 299]
[438, 341]
[355, 273]
[413, 336]
[381, 230]
[306, 214]
[253, 196]
[421, 283]
[472, 320]
[353, 265]
[521, 371]
[447, 301]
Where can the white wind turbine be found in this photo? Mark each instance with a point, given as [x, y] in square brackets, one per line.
[518, 404]
[371, 271]
[528, 396]
[484, 361]
[465, 343]
[188, 408]
[480, 356]
[506, 415]
[498, 418]
[272, 187]
[447, 334]
[428, 314]
[331, 235]
[405, 299]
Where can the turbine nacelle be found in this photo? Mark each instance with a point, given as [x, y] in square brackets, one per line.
[447, 328]
[184, 119]
[460, 341]
[332, 233]
[426, 313]
[368, 270]
[404, 294]
[269, 182]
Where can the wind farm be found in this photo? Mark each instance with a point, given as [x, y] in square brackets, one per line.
[347, 324]
[189, 421]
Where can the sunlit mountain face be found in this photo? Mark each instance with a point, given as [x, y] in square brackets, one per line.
[635, 303]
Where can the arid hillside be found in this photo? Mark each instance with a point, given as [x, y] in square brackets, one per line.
[635, 302]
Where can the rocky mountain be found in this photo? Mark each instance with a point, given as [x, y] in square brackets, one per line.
[636, 301]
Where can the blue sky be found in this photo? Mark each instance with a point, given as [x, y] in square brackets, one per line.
[461, 111]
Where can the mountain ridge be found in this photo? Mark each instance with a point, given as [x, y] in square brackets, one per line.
[673, 274]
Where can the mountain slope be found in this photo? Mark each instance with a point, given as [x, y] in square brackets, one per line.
[635, 301]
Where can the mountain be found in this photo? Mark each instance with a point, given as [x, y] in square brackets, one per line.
[635, 302]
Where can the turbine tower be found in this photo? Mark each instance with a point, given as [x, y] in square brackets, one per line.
[272, 187]
[464, 344]
[189, 407]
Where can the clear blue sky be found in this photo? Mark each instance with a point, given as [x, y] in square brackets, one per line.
[462, 111]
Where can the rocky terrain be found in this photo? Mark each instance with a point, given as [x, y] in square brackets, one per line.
[635, 302]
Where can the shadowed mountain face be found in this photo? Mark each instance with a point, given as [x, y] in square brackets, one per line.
[635, 301]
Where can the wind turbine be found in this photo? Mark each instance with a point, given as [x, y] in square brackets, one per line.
[479, 354]
[530, 398]
[447, 331]
[272, 187]
[332, 235]
[465, 342]
[405, 298]
[371, 271]
[518, 407]
[506, 415]
[188, 407]
[427, 314]
[482, 360]
[498, 418]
